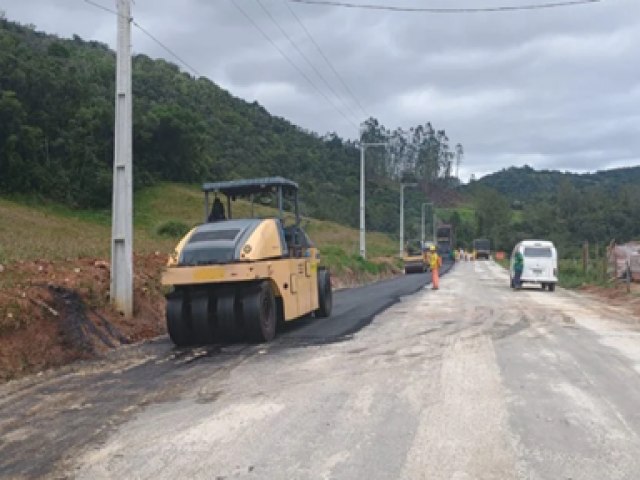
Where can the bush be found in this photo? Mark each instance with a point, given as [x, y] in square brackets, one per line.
[338, 260]
[173, 228]
[572, 274]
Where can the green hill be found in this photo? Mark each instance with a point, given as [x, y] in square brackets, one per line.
[56, 133]
[568, 208]
[526, 184]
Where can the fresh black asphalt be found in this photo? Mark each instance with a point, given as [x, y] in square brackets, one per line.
[354, 308]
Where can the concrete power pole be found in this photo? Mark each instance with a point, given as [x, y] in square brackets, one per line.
[363, 147]
[402, 185]
[122, 212]
[435, 220]
[423, 224]
[422, 227]
[363, 248]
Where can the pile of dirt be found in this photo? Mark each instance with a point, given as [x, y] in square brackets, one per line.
[52, 313]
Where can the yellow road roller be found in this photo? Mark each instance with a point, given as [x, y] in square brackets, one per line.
[414, 259]
[234, 278]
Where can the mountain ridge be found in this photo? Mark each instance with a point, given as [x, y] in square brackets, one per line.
[527, 184]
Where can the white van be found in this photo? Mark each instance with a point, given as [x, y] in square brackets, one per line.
[540, 263]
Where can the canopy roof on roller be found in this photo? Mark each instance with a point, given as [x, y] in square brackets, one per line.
[251, 186]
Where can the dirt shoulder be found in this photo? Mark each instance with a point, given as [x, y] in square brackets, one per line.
[617, 295]
[55, 312]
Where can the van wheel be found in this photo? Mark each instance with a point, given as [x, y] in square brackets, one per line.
[552, 287]
[544, 286]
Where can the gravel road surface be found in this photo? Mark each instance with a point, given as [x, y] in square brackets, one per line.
[474, 381]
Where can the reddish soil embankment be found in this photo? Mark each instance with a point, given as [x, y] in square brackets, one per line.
[55, 312]
[52, 313]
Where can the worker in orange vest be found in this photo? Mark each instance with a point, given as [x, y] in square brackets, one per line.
[435, 262]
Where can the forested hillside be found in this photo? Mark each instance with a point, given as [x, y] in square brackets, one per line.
[567, 208]
[526, 184]
[56, 135]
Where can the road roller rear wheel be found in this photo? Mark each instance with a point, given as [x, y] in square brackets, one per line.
[178, 319]
[202, 309]
[325, 294]
[227, 314]
[260, 313]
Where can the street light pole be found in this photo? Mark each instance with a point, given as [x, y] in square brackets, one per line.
[363, 147]
[362, 227]
[402, 185]
[122, 213]
[423, 230]
[435, 219]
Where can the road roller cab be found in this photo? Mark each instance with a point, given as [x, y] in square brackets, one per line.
[238, 277]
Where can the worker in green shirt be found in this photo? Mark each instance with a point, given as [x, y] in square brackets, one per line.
[518, 267]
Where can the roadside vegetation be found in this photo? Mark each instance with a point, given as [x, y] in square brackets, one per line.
[31, 229]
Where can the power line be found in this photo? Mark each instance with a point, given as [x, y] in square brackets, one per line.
[306, 59]
[188, 66]
[148, 34]
[102, 7]
[167, 49]
[335, 72]
[291, 62]
[393, 8]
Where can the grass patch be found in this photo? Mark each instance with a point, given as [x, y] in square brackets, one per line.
[573, 275]
[466, 213]
[341, 262]
[162, 213]
[173, 229]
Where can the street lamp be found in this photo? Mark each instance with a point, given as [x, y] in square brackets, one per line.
[363, 147]
[402, 185]
[422, 234]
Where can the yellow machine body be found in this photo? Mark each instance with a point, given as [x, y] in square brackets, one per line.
[292, 278]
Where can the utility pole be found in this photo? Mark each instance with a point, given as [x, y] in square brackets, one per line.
[362, 226]
[435, 220]
[422, 232]
[402, 185]
[122, 210]
[363, 147]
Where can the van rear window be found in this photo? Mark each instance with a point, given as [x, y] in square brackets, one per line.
[537, 252]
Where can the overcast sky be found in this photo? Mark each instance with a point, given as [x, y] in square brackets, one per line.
[556, 88]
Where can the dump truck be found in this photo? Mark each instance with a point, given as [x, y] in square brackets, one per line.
[233, 278]
[414, 259]
[481, 248]
[445, 239]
